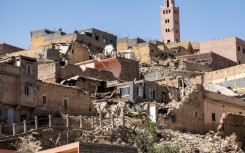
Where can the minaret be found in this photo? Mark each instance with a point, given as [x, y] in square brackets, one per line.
[170, 24]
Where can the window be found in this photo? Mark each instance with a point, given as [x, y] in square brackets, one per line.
[164, 97]
[151, 94]
[152, 50]
[27, 90]
[176, 22]
[168, 41]
[177, 31]
[196, 114]
[238, 48]
[140, 91]
[169, 11]
[167, 3]
[240, 112]
[213, 117]
[1, 112]
[243, 50]
[28, 69]
[104, 39]
[166, 30]
[125, 91]
[163, 12]
[65, 103]
[97, 37]
[239, 62]
[44, 100]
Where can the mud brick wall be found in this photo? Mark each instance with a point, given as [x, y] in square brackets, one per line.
[129, 69]
[235, 123]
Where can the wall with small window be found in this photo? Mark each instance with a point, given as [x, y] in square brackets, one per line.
[55, 98]
[214, 110]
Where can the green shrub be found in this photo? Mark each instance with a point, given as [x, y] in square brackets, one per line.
[145, 136]
[167, 149]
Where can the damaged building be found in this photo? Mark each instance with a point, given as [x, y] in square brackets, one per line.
[95, 39]
[18, 93]
[72, 101]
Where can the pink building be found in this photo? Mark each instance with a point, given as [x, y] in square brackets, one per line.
[122, 68]
[231, 48]
[170, 22]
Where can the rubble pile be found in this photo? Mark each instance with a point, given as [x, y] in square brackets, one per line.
[118, 136]
[195, 143]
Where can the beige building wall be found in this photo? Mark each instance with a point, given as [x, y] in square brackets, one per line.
[52, 97]
[215, 105]
[231, 73]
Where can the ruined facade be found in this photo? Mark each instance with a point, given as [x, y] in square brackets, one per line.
[52, 71]
[95, 39]
[18, 88]
[233, 124]
[143, 51]
[122, 68]
[217, 61]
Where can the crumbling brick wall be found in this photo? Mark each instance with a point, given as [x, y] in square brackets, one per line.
[48, 70]
[188, 116]
[129, 69]
[78, 53]
[234, 123]
[188, 113]
[99, 74]
[69, 71]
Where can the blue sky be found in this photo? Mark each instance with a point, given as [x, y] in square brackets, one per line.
[200, 19]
